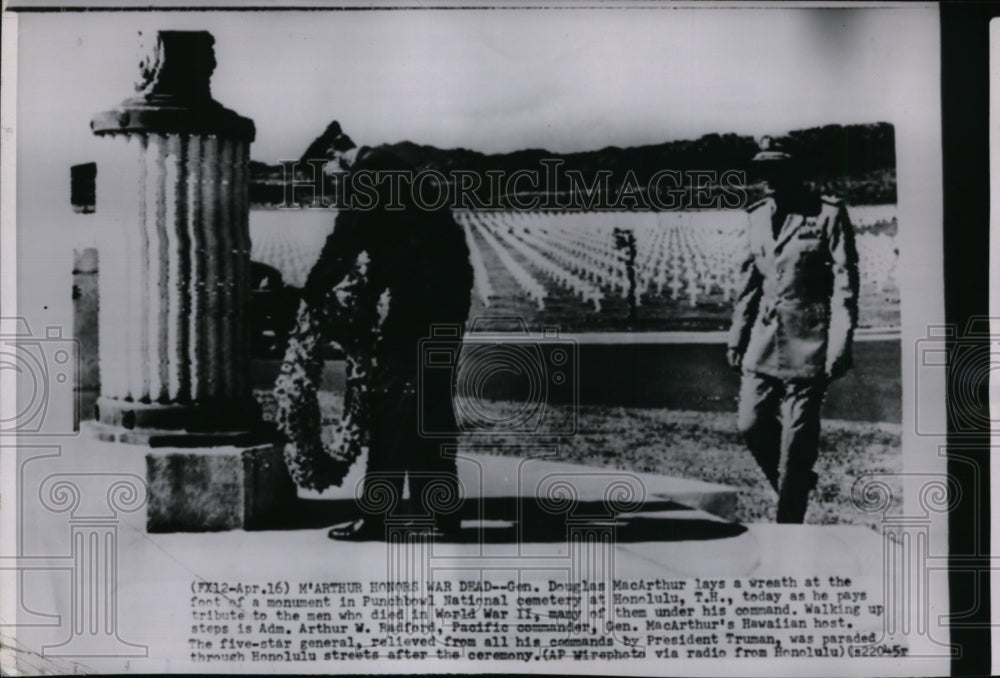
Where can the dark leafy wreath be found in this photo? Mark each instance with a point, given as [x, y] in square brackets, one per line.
[350, 316]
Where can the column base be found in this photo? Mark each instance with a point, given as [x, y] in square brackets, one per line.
[212, 415]
[181, 425]
[162, 438]
[217, 488]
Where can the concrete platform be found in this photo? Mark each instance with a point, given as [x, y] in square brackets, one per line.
[519, 521]
[561, 487]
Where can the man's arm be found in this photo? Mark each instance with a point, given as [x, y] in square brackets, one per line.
[747, 303]
[844, 297]
[337, 258]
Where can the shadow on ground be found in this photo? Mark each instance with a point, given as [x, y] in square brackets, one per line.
[511, 520]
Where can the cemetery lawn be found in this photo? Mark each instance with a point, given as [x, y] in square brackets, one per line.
[702, 445]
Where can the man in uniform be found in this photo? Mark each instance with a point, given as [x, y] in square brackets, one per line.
[421, 258]
[793, 324]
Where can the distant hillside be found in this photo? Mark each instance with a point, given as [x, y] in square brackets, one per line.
[856, 161]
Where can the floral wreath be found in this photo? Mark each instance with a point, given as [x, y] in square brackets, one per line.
[349, 314]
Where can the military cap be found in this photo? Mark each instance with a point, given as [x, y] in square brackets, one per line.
[772, 149]
[342, 143]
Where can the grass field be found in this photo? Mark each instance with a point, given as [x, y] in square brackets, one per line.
[702, 445]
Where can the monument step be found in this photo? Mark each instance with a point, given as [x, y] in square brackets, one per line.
[557, 484]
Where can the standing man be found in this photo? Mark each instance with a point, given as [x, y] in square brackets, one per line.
[419, 256]
[793, 324]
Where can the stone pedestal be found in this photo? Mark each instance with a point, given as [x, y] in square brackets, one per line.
[219, 488]
[174, 296]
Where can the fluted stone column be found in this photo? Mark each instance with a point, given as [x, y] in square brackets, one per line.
[174, 283]
[174, 274]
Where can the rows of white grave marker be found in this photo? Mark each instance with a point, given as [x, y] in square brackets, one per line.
[674, 255]
[878, 253]
[481, 284]
[877, 259]
[292, 247]
[586, 254]
[524, 243]
[685, 256]
[534, 289]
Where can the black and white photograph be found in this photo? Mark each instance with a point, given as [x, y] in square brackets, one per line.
[603, 338]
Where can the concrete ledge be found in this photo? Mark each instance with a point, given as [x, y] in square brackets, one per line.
[494, 484]
[216, 488]
[605, 486]
[161, 438]
[206, 417]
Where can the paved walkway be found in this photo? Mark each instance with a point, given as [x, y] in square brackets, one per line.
[519, 522]
[679, 524]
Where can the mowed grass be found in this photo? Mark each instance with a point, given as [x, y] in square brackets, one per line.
[701, 445]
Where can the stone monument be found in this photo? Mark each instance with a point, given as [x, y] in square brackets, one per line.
[174, 292]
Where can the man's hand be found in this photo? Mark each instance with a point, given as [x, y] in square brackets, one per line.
[735, 358]
[839, 367]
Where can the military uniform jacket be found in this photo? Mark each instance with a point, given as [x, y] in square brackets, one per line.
[420, 256]
[798, 303]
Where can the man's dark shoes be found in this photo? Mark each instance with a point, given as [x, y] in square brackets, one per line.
[793, 498]
[448, 526]
[442, 528]
[362, 529]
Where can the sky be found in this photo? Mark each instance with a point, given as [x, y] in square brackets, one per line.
[497, 81]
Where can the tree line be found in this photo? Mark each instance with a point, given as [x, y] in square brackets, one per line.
[857, 162]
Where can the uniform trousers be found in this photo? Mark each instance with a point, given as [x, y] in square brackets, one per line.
[399, 452]
[779, 420]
